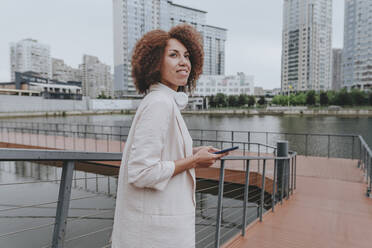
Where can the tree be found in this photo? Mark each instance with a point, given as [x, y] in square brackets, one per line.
[332, 97]
[251, 101]
[280, 100]
[102, 95]
[359, 97]
[221, 100]
[370, 98]
[262, 100]
[232, 101]
[343, 98]
[310, 98]
[323, 98]
[298, 99]
[212, 101]
[242, 99]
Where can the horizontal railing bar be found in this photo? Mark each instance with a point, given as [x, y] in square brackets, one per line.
[236, 142]
[15, 154]
[45, 203]
[5, 235]
[256, 157]
[272, 132]
[51, 181]
[191, 129]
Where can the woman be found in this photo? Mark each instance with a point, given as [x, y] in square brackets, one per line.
[155, 204]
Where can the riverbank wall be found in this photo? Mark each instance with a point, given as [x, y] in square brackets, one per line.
[31, 106]
[295, 111]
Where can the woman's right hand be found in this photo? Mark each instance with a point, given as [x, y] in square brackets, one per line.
[205, 157]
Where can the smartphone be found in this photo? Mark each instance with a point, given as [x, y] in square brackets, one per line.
[227, 150]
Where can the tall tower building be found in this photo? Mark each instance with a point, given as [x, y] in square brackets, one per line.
[96, 77]
[29, 55]
[133, 18]
[306, 45]
[357, 52]
[214, 50]
[336, 69]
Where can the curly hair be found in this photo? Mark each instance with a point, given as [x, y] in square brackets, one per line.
[148, 54]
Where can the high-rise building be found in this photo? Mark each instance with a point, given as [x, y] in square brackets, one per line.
[30, 55]
[65, 73]
[97, 78]
[336, 69]
[133, 18]
[214, 50]
[357, 55]
[306, 45]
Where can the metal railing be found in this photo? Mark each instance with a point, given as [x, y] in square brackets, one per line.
[69, 158]
[365, 163]
[94, 137]
[229, 212]
[283, 185]
[210, 231]
[308, 144]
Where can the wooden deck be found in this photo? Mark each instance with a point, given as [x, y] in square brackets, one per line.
[329, 209]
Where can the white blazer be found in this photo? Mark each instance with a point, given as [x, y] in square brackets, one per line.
[154, 209]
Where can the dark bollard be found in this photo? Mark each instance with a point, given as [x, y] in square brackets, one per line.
[282, 151]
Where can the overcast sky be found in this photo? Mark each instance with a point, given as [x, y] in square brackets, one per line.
[75, 27]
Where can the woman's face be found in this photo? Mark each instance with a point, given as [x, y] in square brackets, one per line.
[176, 65]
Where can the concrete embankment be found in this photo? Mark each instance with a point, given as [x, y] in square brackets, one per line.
[305, 112]
[31, 106]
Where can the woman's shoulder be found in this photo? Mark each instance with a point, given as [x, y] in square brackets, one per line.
[157, 99]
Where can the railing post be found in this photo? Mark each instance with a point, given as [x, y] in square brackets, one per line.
[95, 141]
[249, 141]
[263, 189]
[108, 185]
[295, 172]
[306, 144]
[219, 204]
[292, 174]
[273, 195]
[63, 204]
[369, 174]
[329, 143]
[352, 148]
[232, 138]
[360, 152]
[288, 164]
[282, 151]
[246, 191]
[258, 149]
